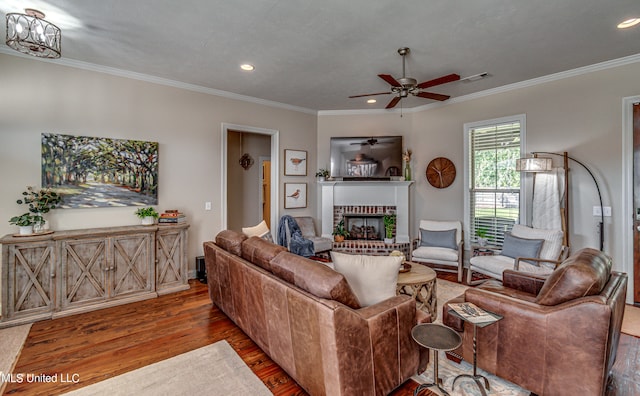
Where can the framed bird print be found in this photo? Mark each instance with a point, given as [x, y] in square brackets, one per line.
[295, 162]
[295, 195]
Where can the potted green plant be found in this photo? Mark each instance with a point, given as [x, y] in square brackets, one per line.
[339, 232]
[147, 216]
[481, 235]
[40, 202]
[389, 226]
[25, 222]
[322, 174]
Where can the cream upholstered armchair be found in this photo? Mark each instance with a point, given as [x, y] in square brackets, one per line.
[440, 243]
[525, 249]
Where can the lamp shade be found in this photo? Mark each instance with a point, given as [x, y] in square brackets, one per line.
[534, 164]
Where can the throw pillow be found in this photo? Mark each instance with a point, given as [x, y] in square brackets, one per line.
[515, 247]
[445, 239]
[261, 230]
[372, 278]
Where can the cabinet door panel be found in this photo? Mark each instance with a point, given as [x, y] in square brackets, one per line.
[30, 286]
[85, 270]
[171, 260]
[132, 258]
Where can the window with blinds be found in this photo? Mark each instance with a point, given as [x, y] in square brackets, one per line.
[494, 183]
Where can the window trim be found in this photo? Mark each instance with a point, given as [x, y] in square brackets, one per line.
[521, 118]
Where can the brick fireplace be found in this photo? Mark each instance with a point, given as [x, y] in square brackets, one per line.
[363, 204]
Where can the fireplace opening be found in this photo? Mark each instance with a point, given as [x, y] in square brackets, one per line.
[361, 226]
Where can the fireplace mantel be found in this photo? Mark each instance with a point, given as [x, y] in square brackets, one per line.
[366, 193]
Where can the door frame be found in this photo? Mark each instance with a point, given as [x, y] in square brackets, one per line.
[627, 192]
[275, 165]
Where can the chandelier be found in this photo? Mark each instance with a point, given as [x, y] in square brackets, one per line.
[30, 34]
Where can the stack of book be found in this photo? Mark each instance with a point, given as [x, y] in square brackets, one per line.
[172, 216]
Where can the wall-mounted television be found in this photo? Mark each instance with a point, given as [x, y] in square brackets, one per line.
[359, 158]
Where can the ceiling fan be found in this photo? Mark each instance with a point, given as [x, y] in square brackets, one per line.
[370, 142]
[404, 86]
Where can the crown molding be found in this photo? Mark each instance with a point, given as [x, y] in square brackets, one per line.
[230, 95]
[158, 80]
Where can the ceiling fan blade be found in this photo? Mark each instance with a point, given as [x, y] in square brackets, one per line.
[393, 102]
[440, 80]
[434, 96]
[390, 80]
[371, 94]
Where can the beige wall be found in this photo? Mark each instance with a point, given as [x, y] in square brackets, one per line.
[581, 114]
[42, 97]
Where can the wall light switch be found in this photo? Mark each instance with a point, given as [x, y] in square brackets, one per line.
[207, 206]
[607, 211]
[597, 211]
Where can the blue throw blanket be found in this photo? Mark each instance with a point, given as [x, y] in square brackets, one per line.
[297, 244]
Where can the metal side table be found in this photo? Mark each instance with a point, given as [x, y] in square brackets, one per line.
[476, 377]
[439, 338]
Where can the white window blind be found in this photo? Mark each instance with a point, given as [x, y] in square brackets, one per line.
[494, 183]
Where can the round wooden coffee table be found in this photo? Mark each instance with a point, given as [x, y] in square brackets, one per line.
[420, 284]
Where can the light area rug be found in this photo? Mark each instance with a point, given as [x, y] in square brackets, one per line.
[445, 291]
[631, 321]
[448, 370]
[215, 369]
[11, 342]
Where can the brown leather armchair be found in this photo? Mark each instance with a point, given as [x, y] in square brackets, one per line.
[559, 334]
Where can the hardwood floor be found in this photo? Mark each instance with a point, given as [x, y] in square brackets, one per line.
[109, 342]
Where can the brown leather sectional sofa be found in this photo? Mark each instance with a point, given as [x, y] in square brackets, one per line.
[306, 318]
[559, 335]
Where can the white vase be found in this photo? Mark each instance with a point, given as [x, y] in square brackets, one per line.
[388, 241]
[149, 220]
[26, 230]
[482, 241]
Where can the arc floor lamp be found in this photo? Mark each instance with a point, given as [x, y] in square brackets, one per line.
[541, 164]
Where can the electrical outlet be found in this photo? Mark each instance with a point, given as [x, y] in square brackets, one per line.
[207, 206]
[598, 211]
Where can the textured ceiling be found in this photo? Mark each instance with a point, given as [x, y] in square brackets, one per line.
[315, 53]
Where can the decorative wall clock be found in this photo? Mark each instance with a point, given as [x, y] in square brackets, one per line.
[441, 172]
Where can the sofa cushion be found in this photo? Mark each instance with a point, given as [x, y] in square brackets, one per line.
[584, 273]
[260, 251]
[515, 247]
[435, 253]
[313, 277]
[231, 241]
[444, 239]
[552, 246]
[261, 230]
[372, 278]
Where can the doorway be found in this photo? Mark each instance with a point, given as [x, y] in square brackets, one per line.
[264, 184]
[631, 196]
[230, 178]
[636, 203]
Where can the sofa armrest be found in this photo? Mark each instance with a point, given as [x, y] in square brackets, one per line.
[389, 324]
[523, 281]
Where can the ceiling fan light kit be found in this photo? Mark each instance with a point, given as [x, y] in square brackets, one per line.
[405, 86]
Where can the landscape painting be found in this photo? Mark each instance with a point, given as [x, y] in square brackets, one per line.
[92, 172]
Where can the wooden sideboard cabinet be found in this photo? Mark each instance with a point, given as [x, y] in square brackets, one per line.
[69, 272]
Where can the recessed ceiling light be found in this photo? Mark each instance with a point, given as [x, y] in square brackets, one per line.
[370, 101]
[629, 23]
[247, 67]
